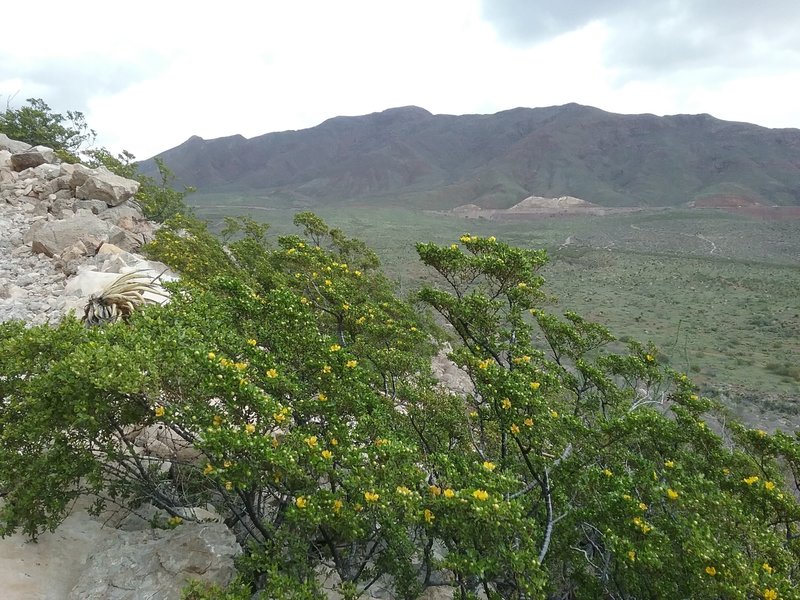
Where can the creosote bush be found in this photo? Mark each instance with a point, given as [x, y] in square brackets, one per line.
[302, 385]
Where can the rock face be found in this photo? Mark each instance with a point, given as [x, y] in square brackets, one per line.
[156, 563]
[59, 223]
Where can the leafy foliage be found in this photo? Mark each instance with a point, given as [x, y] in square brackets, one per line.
[296, 392]
[38, 125]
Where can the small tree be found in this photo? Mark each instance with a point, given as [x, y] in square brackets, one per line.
[38, 125]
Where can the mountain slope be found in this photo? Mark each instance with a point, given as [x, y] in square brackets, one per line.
[410, 156]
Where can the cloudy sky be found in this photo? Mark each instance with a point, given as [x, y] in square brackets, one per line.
[148, 75]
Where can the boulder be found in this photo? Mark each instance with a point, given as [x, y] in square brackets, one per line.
[103, 185]
[27, 160]
[94, 206]
[47, 171]
[13, 146]
[158, 563]
[53, 237]
[76, 175]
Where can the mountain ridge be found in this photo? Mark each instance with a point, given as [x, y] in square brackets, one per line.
[407, 155]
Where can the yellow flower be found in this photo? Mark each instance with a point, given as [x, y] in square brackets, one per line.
[514, 428]
[481, 495]
[649, 358]
[769, 485]
[174, 521]
[465, 238]
[251, 342]
[303, 300]
[522, 285]
[208, 470]
[345, 306]
[484, 363]
[335, 348]
[403, 490]
[229, 485]
[328, 282]
[489, 466]
[301, 502]
[448, 493]
[761, 433]
[607, 472]
[337, 506]
[535, 385]
[428, 516]
[693, 397]
[528, 422]
[322, 397]
[506, 403]
[240, 366]
[435, 490]
[711, 570]
[326, 369]
[211, 356]
[669, 464]
[642, 525]
[672, 494]
[770, 594]
[291, 251]
[311, 441]
[334, 442]
[361, 320]
[522, 359]
[642, 506]
[750, 480]
[492, 238]
[159, 411]
[272, 373]
[351, 364]
[631, 555]
[554, 414]
[454, 246]
[767, 568]
[250, 428]
[327, 454]
[357, 273]
[371, 496]
[382, 442]
[474, 414]
[279, 417]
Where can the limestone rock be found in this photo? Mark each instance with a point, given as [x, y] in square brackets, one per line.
[103, 185]
[13, 146]
[27, 160]
[53, 237]
[157, 564]
[439, 592]
[95, 206]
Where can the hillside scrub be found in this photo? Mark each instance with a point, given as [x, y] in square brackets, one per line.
[296, 388]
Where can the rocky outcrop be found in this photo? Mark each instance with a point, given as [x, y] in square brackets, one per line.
[158, 563]
[65, 231]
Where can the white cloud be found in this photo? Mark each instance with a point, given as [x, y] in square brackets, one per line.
[152, 74]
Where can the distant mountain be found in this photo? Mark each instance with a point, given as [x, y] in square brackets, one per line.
[410, 156]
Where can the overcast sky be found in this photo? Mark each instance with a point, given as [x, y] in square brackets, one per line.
[148, 75]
